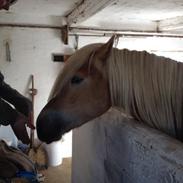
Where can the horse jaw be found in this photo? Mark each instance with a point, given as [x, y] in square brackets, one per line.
[53, 124]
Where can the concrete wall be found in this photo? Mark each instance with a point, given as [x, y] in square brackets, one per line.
[31, 50]
[113, 149]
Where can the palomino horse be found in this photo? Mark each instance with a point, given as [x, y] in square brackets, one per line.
[98, 76]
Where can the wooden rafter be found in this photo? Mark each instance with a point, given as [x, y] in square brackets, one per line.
[64, 34]
[171, 24]
[86, 9]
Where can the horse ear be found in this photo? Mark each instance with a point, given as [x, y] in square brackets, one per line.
[104, 51]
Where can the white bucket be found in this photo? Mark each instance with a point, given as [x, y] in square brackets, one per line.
[6, 134]
[54, 152]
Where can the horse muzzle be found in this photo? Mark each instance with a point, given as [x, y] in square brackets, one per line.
[49, 126]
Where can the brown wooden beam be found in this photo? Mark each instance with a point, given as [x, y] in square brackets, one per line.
[64, 34]
[29, 26]
[86, 9]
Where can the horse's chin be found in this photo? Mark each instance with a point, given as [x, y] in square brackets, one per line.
[49, 140]
[52, 141]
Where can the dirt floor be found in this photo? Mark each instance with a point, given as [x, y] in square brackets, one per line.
[59, 174]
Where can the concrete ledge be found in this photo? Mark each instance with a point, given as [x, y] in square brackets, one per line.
[113, 149]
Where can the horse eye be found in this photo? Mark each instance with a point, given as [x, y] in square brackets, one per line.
[76, 80]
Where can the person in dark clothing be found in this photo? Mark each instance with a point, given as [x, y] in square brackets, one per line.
[16, 116]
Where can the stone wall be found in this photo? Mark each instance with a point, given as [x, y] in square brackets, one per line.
[113, 149]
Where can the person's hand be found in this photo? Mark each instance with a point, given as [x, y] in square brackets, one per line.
[20, 130]
[30, 121]
[19, 127]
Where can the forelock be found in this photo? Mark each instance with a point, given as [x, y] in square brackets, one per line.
[73, 64]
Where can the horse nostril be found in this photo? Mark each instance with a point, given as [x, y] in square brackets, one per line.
[43, 125]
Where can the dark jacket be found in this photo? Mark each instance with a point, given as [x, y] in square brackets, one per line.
[12, 96]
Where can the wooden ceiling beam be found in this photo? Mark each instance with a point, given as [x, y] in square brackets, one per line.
[86, 9]
[81, 31]
[171, 24]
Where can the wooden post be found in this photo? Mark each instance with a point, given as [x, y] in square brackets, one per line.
[64, 34]
[33, 92]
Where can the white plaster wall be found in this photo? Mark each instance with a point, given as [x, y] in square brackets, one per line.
[31, 51]
[31, 54]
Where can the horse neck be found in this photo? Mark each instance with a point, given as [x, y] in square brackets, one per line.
[145, 86]
[118, 75]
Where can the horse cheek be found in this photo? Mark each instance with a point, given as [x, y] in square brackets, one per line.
[101, 97]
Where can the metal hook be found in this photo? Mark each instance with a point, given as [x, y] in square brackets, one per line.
[8, 52]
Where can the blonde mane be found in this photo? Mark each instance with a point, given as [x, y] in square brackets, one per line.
[149, 88]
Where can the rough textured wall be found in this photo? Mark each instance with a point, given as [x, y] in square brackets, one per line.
[112, 149]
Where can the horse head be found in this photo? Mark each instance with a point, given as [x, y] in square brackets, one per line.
[80, 93]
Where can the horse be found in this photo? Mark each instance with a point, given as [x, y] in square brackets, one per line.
[144, 86]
